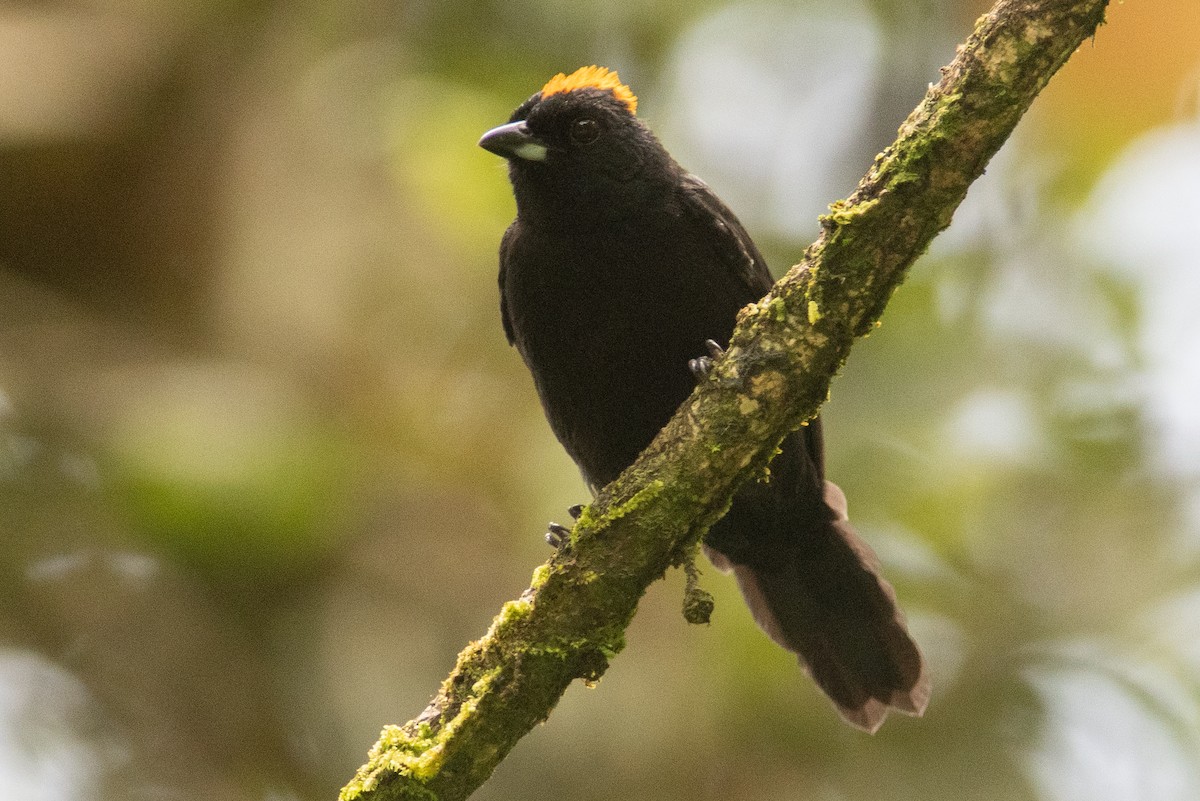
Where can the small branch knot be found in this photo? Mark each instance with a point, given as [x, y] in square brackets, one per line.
[698, 603]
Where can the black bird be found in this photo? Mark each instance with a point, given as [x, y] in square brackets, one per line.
[619, 267]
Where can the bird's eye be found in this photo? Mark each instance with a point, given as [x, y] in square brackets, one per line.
[585, 131]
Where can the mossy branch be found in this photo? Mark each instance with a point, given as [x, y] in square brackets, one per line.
[775, 375]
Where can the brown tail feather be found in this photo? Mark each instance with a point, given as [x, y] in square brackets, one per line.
[831, 606]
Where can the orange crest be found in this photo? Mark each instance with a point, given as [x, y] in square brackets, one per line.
[595, 78]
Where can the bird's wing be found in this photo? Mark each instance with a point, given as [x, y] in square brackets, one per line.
[734, 246]
[505, 250]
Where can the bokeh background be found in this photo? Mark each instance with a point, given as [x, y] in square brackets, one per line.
[267, 463]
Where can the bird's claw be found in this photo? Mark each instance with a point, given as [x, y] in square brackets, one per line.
[701, 366]
[558, 535]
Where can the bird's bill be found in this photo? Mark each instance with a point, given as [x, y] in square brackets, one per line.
[514, 141]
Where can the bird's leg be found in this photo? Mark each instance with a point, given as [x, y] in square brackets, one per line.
[575, 511]
[702, 365]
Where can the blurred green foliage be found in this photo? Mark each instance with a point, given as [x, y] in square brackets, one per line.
[266, 462]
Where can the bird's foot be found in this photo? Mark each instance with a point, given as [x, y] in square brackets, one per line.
[558, 535]
[701, 366]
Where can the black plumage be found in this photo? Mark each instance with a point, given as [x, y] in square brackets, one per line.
[617, 269]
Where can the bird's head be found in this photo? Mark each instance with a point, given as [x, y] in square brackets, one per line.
[578, 142]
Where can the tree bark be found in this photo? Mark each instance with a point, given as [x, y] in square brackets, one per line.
[774, 377]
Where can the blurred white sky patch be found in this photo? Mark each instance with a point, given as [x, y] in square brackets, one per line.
[1111, 731]
[136, 569]
[48, 729]
[1037, 293]
[1033, 297]
[767, 99]
[1176, 625]
[944, 645]
[1143, 220]
[995, 424]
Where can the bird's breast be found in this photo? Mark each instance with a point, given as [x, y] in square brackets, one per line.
[607, 324]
